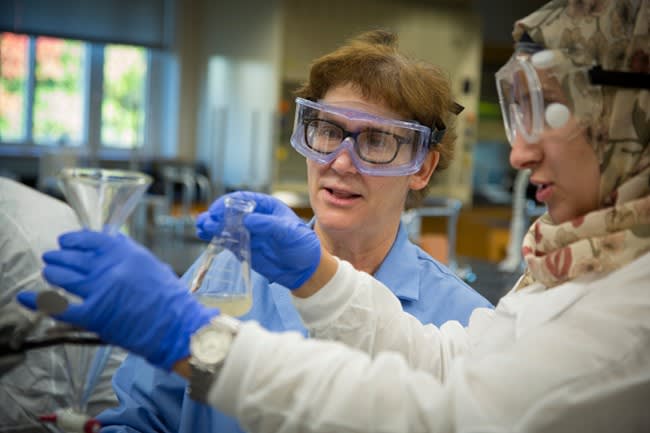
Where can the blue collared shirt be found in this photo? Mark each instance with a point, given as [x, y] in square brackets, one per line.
[153, 400]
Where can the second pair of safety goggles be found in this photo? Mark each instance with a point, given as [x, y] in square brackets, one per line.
[377, 146]
[531, 94]
[543, 89]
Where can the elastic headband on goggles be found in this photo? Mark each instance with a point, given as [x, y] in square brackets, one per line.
[628, 80]
[597, 75]
[438, 129]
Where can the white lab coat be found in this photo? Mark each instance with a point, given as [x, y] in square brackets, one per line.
[575, 358]
[30, 223]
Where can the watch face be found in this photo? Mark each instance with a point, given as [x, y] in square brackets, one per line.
[211, 345]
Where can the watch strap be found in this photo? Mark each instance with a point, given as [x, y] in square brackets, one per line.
[200, 382]
[202, 376]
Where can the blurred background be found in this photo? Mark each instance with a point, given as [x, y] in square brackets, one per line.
[198, 93]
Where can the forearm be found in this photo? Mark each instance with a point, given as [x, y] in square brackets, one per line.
[326, 270]
[341, 304]
[284, 383]
[356, 309]
[182, 368]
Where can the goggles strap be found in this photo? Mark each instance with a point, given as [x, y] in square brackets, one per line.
[439, 129]
[628, 80]
[456, 108]
[437, 133]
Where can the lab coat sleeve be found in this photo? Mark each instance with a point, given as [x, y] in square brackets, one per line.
[149, 399]
[585, 369]
[284, 383]
[361, 312]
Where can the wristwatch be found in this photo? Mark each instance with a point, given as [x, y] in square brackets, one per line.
[209, 347]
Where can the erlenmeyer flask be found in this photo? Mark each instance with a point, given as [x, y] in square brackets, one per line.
[222, 277]
[102, 200]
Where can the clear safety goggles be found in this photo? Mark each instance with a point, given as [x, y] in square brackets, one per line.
[530, 93]
[544, 89]
[377, 146]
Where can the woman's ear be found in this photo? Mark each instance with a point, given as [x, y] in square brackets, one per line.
[421, 179]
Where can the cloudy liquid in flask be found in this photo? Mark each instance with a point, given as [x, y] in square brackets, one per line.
[233, 305]
[222, 278]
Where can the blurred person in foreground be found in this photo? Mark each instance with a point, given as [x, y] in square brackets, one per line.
[373, 126]
[566, 350]
[35, 383]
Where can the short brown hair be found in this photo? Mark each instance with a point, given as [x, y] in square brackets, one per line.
[416, 90]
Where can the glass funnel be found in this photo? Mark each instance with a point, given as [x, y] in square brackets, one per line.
[222, 277]
[103, 200]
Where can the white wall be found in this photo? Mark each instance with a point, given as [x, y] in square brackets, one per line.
[238, 81]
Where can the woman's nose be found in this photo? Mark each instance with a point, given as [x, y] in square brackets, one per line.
[343, 162]
[524, 154]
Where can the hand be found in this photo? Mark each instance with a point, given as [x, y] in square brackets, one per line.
[284, 249]
[130, 299]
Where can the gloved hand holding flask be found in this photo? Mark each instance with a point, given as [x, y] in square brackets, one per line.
[129, 298]
[284, 249]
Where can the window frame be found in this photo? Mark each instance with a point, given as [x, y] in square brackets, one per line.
[93, 92]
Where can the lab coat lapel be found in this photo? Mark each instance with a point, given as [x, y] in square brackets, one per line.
[544, 305]
[534, 305]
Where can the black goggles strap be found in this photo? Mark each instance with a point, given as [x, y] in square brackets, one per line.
[628, 80]
[439, 128]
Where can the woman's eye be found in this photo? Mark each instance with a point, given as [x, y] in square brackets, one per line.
[327, 131]
[375, 138]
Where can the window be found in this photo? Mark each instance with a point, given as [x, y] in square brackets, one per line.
[60, 92]
[13, 78]
[125, 71]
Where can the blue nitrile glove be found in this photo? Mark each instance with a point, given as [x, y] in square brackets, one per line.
[284, 249]
[130, 299]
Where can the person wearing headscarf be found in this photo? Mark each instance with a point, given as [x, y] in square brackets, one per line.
[566, 350]
[613, 227]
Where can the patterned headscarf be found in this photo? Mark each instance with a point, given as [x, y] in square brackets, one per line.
[614, 34]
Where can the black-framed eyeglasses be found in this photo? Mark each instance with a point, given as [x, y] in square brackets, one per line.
[372, 145]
